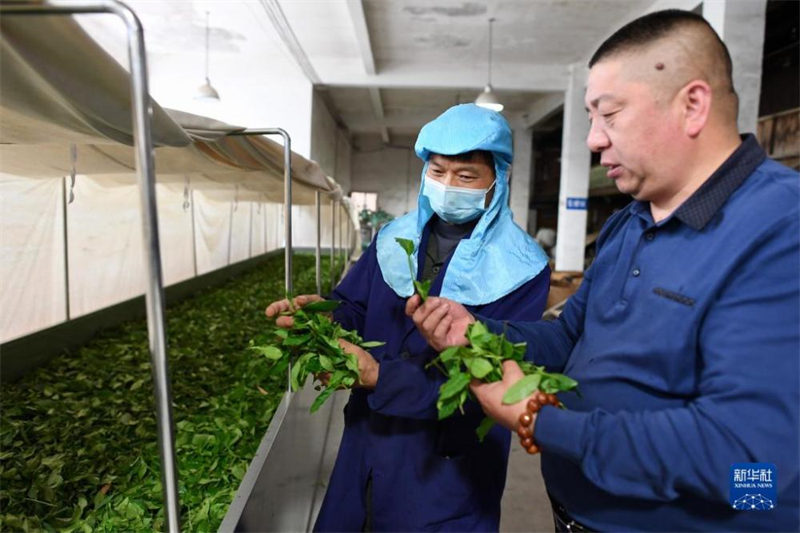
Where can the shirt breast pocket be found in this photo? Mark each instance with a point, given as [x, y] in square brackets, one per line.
[668, 332]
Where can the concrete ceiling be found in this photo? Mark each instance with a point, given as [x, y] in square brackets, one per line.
[385, 67]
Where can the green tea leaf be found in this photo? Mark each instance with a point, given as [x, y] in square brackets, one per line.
[371, 344]
[483, 429]
[423, 288]
[296, 340]
[522, 389]
[454, 385]
[476, 330]
[449, 353]
[322, 306]
[320, 399]
[270, 352]
[478, 367]
[407, 244]
[326, 363]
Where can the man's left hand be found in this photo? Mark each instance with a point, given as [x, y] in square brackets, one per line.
[368, 367]
[490, 396]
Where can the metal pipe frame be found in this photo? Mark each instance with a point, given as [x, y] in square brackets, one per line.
[318, 251]
[154, 295]
[287, 197]
[333, 241]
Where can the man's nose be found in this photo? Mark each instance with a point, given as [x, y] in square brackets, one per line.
[597, 139]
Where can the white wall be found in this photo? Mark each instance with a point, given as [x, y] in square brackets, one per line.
[393, 173]
[330, 147]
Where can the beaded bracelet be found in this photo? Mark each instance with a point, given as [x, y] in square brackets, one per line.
[524, 429]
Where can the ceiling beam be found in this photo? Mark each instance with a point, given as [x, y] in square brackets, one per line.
[356, 9]
[512, 77]
[542, 108]
[377, 109]
[281, 25]
[366, 122]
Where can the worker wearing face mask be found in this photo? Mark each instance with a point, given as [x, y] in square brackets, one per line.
[398, 466]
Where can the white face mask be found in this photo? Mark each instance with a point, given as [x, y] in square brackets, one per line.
[455, 205]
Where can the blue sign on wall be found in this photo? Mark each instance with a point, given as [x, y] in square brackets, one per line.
[576, 203]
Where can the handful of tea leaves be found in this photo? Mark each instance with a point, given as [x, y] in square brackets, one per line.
[422, 287]
[483, 360]
[311, 346]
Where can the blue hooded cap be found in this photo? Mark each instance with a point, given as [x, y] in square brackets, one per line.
[498, 257]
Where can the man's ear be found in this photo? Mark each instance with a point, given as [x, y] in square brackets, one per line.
[695, 100]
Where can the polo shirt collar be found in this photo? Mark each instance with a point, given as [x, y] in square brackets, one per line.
[704, 203]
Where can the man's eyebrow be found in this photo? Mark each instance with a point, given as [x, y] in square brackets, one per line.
[603, 97]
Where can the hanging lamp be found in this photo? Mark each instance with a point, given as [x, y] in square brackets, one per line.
[487, 98]
[207, 91]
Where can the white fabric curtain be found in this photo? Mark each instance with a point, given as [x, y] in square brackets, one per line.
[212, 231]
[175, 229]
[32, 249]
[104, 242]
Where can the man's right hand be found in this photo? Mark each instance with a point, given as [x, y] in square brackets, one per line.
[441, 322]
[275, 309]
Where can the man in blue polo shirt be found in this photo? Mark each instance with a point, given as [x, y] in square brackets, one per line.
[685, 334]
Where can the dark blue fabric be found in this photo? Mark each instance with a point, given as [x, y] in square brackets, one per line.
[685, 342]
[426, 475]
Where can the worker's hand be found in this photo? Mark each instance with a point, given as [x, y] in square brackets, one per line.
[276, 309]
[441, 322]
[490, 396]
[368, 367]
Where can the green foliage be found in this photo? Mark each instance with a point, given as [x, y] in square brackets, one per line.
[311, 347]
[483, 360]
[422, 287]
[374, 219]
[78, 443]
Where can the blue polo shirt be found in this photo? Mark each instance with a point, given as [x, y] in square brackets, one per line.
[685, 340]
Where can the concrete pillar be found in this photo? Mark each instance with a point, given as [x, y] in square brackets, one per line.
[741, 26]
[519, 193]
[575, 160]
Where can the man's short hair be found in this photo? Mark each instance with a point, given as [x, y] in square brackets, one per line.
[717, 68]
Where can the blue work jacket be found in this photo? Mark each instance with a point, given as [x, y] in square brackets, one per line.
[426, 475]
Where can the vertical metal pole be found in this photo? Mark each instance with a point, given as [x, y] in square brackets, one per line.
[250, 234]
[194, 234]
[142, 112]
[287, 196]
[333, 239]
[341, 234]
[287, 215]
[317, 254]
[230, 231]
[66, 246]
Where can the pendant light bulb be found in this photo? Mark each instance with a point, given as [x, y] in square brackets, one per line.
[207, 91]
[487, 98]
